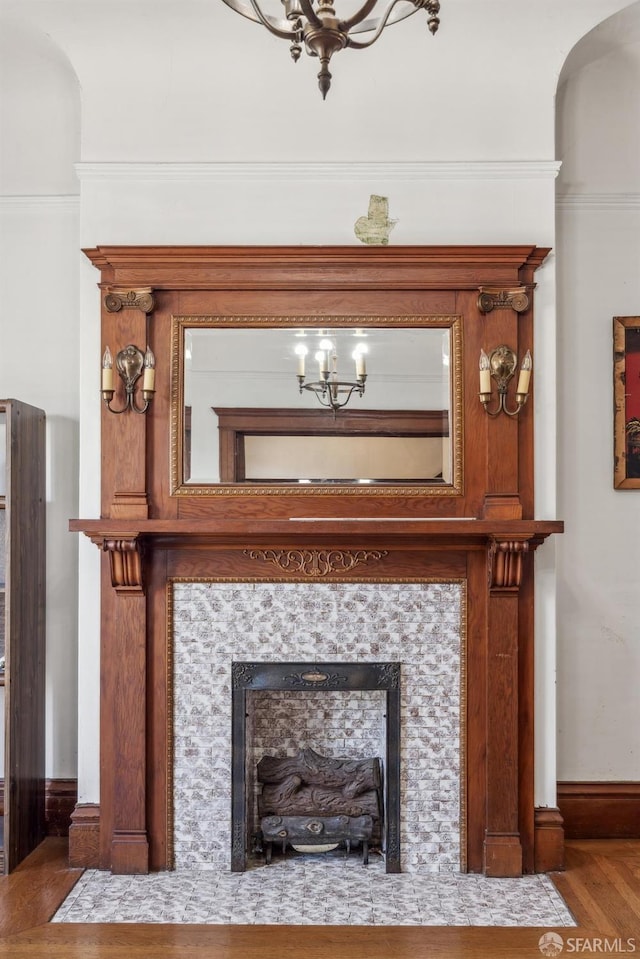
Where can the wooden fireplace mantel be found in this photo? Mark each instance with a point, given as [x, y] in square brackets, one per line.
[481, 531]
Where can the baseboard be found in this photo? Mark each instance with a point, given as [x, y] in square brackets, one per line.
[600, 810]
[60, 798]
[548, 840]
[84, 836]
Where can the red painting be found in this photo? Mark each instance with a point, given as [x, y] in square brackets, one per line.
[626, 348]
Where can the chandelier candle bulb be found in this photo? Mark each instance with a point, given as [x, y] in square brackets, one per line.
[525, 374]
[361, 364]
[323, 364]
[301, 352]
[107, 371]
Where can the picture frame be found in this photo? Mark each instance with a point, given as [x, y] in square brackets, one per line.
[626, 405]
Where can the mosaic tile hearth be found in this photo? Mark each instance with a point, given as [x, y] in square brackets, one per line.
[315, 890]
[420, 625]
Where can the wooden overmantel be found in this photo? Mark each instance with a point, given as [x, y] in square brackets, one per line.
[153, 531]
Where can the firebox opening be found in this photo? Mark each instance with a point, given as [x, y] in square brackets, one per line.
[315, 757]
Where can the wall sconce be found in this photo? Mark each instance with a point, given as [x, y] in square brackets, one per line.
[501, 365]
[131, 364]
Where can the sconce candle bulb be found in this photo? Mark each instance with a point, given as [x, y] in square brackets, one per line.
[107, 372]
[525, 375]
[149, 378]
[485, 374]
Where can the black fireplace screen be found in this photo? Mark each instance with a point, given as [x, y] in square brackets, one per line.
[318, 677]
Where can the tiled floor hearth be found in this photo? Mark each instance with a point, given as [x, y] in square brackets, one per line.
[315, 890]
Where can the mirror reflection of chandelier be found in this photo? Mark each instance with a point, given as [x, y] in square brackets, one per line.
[330, 391]
[316, 23]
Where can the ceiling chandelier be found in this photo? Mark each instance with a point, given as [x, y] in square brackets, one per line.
[316, 23]
[329, 390]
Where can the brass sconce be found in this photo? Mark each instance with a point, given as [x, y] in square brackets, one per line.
[131, 364]
[501, 365]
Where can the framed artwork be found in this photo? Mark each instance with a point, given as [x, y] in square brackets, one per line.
[626, 408]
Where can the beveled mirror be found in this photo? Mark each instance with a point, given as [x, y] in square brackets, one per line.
[307, 401]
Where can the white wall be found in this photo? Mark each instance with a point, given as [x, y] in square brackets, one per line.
[197, 128]
[599, 277]
[39, 279]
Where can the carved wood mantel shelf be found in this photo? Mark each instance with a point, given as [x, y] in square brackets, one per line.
[273, 541]
[479, 530]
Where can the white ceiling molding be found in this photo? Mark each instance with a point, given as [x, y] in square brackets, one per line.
[598, 202]
[307, 171]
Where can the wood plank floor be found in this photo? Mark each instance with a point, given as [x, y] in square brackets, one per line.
[601, 886]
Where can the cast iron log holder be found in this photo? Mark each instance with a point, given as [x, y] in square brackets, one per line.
[316, 833]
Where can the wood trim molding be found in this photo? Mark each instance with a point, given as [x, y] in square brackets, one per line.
[600, 810]
[84, 836]
[60, 798]
[548, 840]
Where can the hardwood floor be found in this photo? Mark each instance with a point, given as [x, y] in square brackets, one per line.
[601, 886]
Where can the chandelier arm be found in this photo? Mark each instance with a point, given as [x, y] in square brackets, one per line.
[283, 34]
[357, 45]
[358, 17]
[309, 13]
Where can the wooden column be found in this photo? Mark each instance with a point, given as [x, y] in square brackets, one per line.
[502, 846]
[129, 852]
[124, 481]
[125, 847]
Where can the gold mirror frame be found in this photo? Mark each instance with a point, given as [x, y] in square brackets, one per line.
[181, 323]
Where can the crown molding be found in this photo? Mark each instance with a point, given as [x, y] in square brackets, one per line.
[599, 202]
[305, 171]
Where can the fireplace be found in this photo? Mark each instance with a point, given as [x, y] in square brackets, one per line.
[408, 709]
[307, 680]
[184, 564]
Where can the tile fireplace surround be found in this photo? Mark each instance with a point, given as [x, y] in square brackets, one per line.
[421, 625]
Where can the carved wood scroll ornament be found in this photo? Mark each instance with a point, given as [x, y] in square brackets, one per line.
[494, 298]
[505, 563]
[117, 299]
[125, 560]
[316, 562]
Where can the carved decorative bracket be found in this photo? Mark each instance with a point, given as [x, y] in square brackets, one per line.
[505, 563]
[122, 299]
[316, 562]
[125, 560]
[495, 298]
